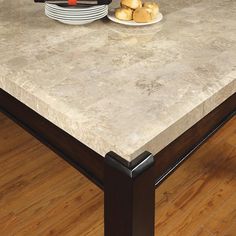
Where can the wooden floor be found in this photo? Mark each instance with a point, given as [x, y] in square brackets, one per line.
[40, 194]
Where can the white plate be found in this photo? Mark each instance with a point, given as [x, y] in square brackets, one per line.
[69, 22]
[77, 14]
[111, 16]
[75, 18]
[77, 8]
[75, 22]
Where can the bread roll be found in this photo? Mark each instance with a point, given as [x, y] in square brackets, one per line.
[134, 4]
[124, 14]
[142, 15]
[123, 6]
[154, 8]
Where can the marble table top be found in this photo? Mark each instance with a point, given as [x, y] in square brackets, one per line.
[119, 88]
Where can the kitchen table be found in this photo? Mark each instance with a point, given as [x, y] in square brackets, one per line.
[125, 106]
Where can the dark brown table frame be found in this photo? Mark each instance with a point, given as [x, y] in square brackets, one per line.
[129, 187]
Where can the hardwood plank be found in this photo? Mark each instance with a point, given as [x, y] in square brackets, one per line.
[196, 166]
[205, 186]
[40, 194]
[203, 232]
[218, 224]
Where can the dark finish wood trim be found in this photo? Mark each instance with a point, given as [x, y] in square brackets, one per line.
[129, 197]
[77, 154]
[169, 158]
[90, 163]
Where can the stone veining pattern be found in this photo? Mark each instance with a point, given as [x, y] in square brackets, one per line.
[121, 88]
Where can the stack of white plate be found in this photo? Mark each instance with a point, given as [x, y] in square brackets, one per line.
[78, 15]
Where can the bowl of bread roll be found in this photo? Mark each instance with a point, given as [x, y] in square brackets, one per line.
[135, 13]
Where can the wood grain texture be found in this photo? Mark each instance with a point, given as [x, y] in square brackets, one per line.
[40, 194]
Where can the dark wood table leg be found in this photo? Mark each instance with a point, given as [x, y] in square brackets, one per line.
[129, 196]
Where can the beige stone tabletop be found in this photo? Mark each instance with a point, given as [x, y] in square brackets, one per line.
[115, 87]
